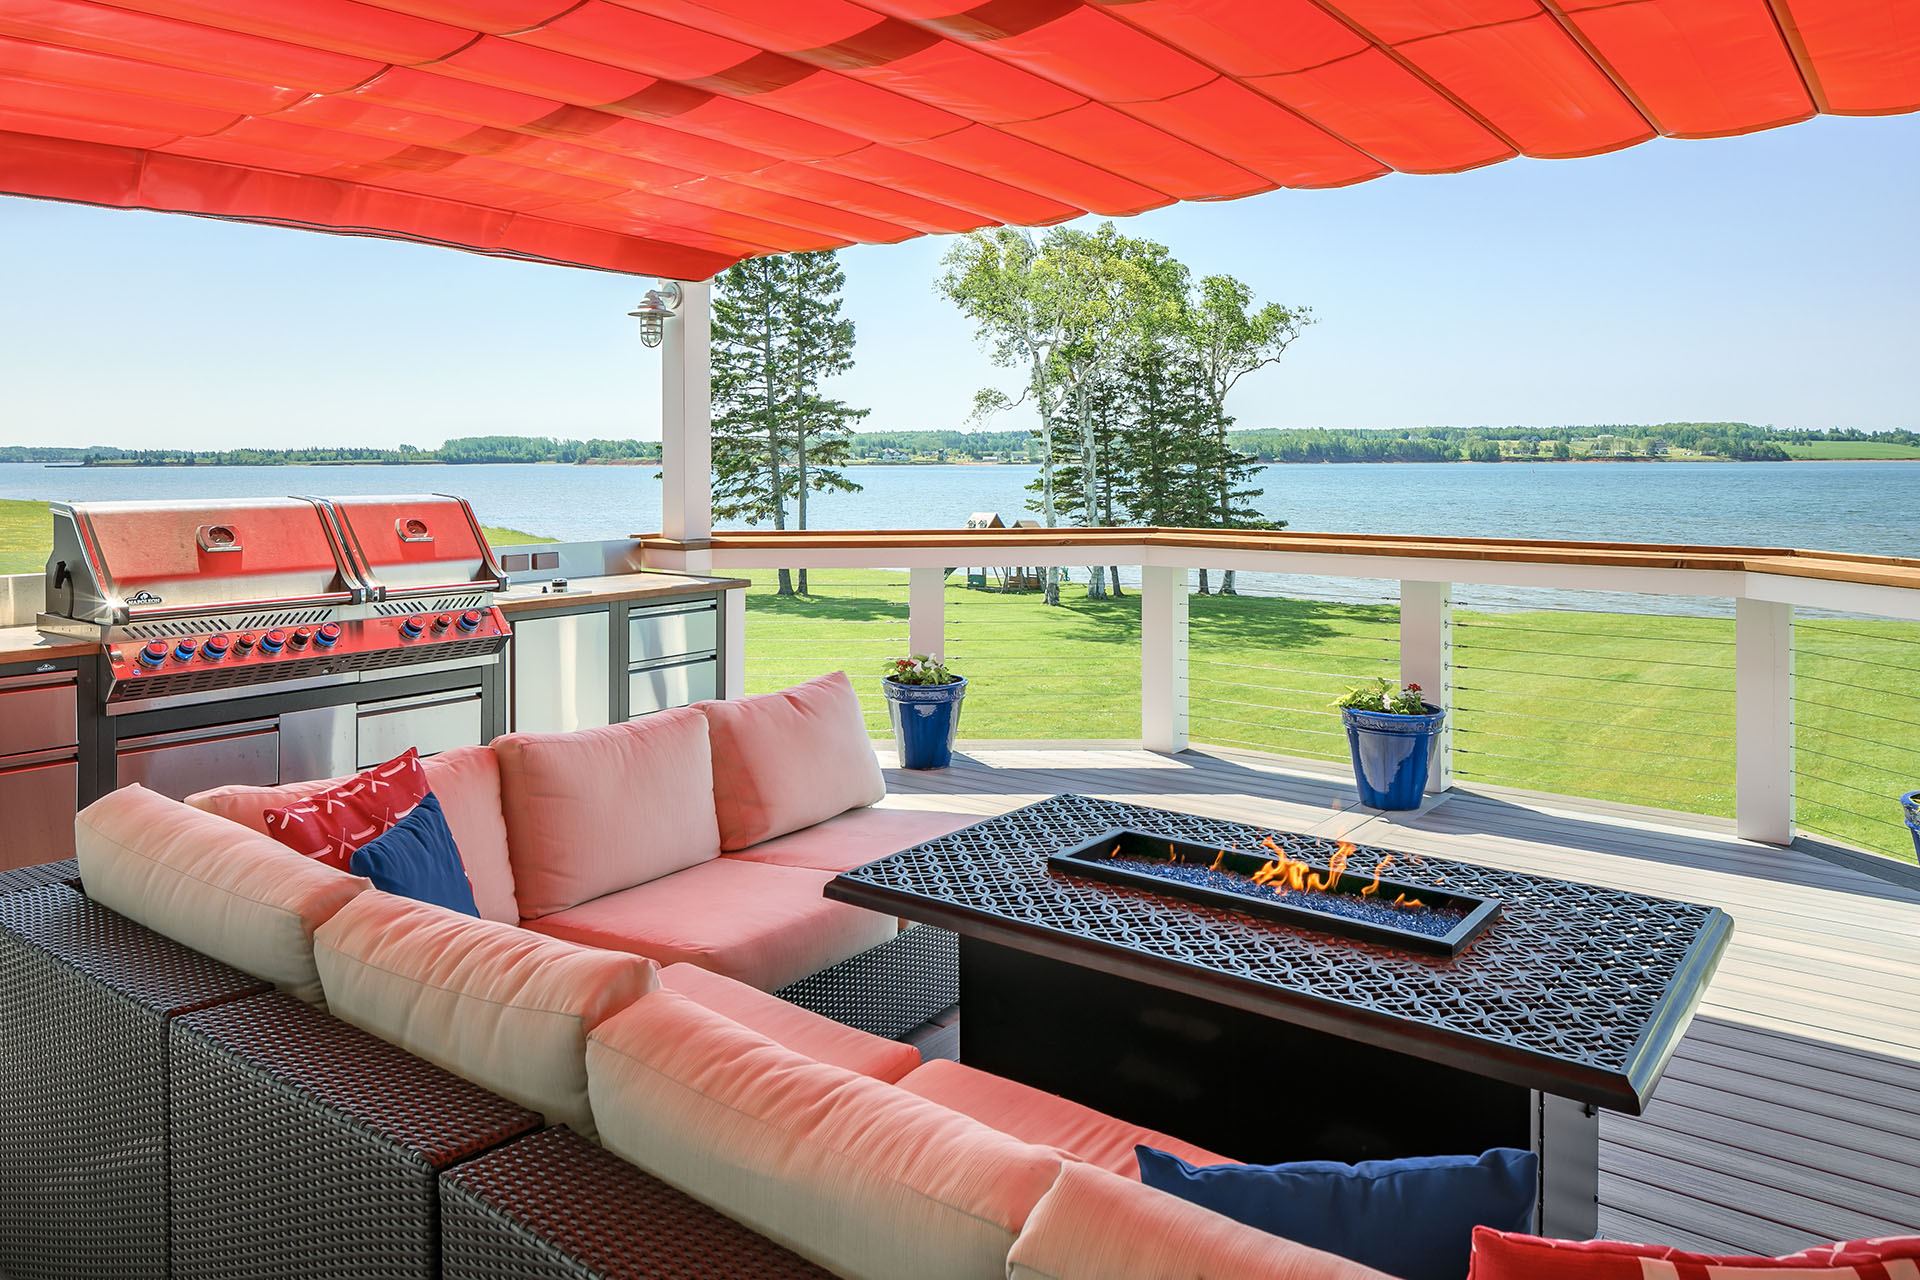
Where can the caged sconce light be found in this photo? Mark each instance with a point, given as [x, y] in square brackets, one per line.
[654, 311]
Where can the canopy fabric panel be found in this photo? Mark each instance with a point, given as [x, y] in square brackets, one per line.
[676, 137]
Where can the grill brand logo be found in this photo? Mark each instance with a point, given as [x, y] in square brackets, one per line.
[143, 597]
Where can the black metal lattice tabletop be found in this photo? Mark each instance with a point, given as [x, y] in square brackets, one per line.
[1577, 990]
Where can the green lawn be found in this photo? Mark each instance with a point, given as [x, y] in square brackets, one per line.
[26, 535]
[1832, 450]
[1629, 707]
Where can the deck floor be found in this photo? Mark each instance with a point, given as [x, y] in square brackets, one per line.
[1791, 1113]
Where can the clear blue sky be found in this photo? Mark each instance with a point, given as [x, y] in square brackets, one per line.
[1772, 278]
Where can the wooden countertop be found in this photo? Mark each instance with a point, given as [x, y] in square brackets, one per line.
[27, 644]
[527, 597]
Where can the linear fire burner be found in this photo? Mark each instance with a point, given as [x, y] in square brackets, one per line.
[1266, 1041]
[1393, 912]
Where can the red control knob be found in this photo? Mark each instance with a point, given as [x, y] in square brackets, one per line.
[214, 648]
[327, 636]
[244, 644]
[412, 627]
[154, 654]
[442, 622]
[301, 637]
[470, 620]
[273, 642]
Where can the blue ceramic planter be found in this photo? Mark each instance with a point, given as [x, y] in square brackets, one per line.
[1911, 803]
[925, 719]
[1391, 755]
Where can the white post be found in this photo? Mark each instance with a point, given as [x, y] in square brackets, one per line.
[1426, 659]
[733, 643]
[1763, 721]
[686, 413]
[927, 612]
[1163, 658]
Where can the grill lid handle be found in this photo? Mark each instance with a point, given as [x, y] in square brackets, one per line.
[412, 529]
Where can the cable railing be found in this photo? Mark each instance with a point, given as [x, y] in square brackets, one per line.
[1856, 750]
[848, 620]
[1266, 664]
[1630, 707]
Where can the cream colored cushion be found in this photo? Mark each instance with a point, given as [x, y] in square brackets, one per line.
[861, 1177]
[786, 760]
[504, 1008]
[1096, 1225]
[600, 810]
[467, 781]
[210, 884]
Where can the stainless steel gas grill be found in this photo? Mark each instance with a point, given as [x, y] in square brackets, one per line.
[264, 641]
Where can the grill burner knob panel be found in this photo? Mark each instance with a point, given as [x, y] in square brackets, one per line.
[327, 636]
[154, 654]
[470, 620]
[214, 648]
[301, 637]
[273, 642]
[412, 627]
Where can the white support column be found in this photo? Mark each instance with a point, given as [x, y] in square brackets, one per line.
[1763, 720]
[927, 612]
[686, 413]
[733, 643]
[1426, 659]
[1163, 658]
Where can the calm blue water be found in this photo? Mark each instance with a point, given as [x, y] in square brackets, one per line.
[1841, 506]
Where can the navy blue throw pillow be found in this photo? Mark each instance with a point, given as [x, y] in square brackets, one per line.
[1409, 1218]
[417, 858]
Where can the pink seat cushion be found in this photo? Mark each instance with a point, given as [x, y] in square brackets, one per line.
[1046, 1119]
[599, 810]
[801, 1030]
[1094, 1225]
[467, 780]
[786, 760]
[761, 925]
[855, 838]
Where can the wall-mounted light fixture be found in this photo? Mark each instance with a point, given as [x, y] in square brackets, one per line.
[654, 311]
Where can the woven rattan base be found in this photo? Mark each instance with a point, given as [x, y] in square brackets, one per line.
[307, 1148]
[85, 1000]
[556, 1207]
[66, 872]
[891, 989]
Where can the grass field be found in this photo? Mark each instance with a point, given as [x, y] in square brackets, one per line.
[1837, 450]
[1630, 707]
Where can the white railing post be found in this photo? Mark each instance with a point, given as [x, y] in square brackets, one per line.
[686, 413]
[1163, 658]
[1763, 721]
[927, 612]
[1426, 659]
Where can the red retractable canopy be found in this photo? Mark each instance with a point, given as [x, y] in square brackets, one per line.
[675, 137]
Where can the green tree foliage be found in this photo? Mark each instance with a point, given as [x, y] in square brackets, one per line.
[777, 335]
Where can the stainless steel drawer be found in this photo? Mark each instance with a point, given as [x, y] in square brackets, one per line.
[430, 722]
[179, 764]
[672, 631]
[671, 684]
[39, 801]
[38, 713]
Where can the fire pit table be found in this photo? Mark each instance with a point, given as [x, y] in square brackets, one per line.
[1270, 1041]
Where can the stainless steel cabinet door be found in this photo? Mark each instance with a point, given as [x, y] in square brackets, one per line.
[430, 722]
[561, 669]
[38, 801]
[179, 764]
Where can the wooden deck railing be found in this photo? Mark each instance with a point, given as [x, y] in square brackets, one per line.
[1765, 584]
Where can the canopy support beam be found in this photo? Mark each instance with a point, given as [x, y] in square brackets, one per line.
[686, 426]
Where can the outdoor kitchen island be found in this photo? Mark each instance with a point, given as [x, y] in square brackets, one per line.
[1271, 1042]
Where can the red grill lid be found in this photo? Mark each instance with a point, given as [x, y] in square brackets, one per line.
[416, 545]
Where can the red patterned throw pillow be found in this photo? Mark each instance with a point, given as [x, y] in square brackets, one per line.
[1507, 1255]
[331, 825]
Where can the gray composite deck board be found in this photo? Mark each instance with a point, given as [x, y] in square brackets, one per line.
[1790, 1114]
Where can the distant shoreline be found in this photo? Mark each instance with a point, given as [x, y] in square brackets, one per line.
[122, 465]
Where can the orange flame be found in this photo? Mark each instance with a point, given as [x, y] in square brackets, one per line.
[1289, 875]
[1374, 888]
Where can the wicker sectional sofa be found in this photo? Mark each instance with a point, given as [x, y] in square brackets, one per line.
[220, 1059]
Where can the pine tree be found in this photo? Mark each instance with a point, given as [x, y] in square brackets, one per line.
[821, 346]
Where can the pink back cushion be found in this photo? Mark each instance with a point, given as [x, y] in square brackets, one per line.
[786, 760]
[599, 810]
[1096, 1225]
[467, 780]
[1510, 1255]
